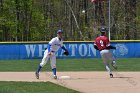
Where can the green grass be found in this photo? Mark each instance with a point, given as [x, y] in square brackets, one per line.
[128, 64]
[124, 64]
[33, 87]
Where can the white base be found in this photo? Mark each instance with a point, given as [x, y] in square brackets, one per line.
[64, 77]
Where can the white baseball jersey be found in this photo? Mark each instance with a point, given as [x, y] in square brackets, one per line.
[55, 44]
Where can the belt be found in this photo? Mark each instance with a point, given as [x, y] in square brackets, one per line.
[104, 49]
[52, 51]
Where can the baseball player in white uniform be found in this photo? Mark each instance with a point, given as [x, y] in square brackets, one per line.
[49, 53]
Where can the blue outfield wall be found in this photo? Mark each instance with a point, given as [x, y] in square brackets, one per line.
[76, 50]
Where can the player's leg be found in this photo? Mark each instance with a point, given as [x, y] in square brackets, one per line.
[53, 65]
[43, 62]
[104, 55]
[112, 58]
[108, 69]
[107, 66]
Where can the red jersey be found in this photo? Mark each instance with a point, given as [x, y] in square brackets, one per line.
[102, 42]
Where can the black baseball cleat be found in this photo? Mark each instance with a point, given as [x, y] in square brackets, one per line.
[111, 75]
[37, 75]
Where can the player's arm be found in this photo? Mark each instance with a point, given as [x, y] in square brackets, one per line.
[66, 51]
[52, 42]
[64, 48]
[109, 46]
[96, 47]
[49, 47]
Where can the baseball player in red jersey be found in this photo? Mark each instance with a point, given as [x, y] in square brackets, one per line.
[102, 44]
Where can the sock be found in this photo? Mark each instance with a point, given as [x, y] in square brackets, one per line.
[54, 71]
[108, 69]
[39, 68]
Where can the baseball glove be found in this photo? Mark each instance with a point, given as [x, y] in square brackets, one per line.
[66, 53]
[111, 47]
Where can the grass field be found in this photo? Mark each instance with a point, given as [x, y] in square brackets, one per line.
[33, 87]
[129, 64]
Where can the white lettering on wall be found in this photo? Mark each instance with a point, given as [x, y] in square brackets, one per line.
[40, 50]
[45, 47]
[30, 50]
[83, 49]
[73, 49]
[93, 50]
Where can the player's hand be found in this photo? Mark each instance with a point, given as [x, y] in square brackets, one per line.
[50, 53]
[113, 47]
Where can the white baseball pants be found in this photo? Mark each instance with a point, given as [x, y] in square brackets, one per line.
[46, 58]
[106, 56]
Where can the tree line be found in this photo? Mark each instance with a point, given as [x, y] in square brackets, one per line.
[38, 20]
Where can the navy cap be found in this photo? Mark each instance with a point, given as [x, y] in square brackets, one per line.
[59, 31]
[103, 29]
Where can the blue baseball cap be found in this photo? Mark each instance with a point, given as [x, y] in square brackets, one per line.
[59, 31]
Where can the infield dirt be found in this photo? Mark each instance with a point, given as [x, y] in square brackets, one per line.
[85, 82]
